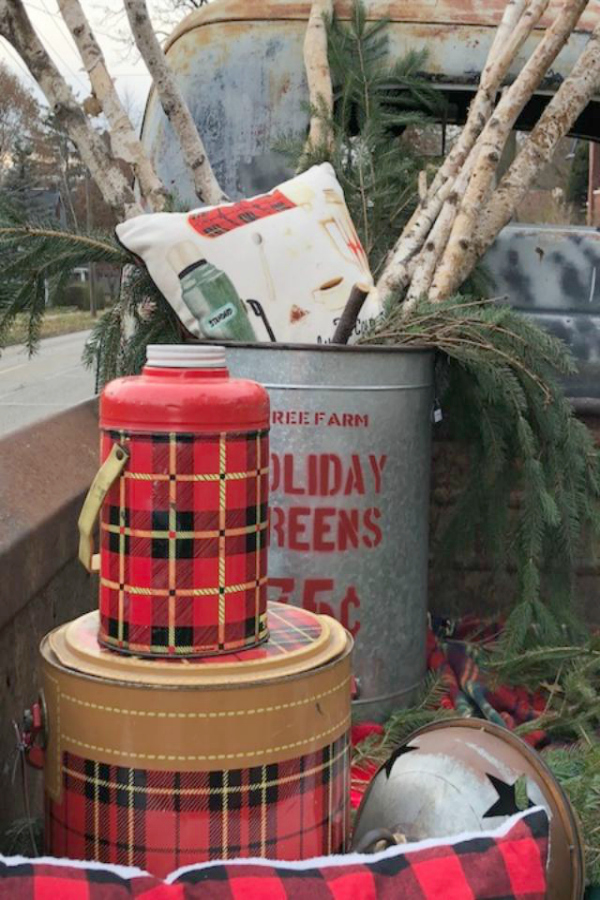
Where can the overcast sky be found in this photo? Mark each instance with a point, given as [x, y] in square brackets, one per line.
[107, 18]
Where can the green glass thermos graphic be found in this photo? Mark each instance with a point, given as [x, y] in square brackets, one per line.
[210, 296]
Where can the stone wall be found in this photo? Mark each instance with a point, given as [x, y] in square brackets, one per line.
[45, 471]
[465, 581]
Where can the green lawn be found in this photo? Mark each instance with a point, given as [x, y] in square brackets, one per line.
[60, 320]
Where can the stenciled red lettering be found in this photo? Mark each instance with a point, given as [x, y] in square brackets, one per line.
[297, 528]
[348, 529]
[288, 476]
[277, 525]
[355, 483]
[373, 527]
[377, 467]
[331, 474]
[312, 587]
[323, 529]
[350, 600]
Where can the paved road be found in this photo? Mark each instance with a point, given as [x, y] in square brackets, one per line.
[53, 379]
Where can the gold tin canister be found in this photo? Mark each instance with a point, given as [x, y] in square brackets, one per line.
[161, 764]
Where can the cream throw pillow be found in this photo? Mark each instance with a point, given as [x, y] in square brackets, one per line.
[280, 266]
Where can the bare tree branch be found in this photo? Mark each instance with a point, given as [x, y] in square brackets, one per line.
[172, 101]
[16, 27]
[518, 20]
[318, 74]
[124, 142]
[558, 118]
[493, 139]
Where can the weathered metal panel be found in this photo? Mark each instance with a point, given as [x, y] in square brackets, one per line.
[553, 274]
[470, 12]
[241, 69]
[349, 498]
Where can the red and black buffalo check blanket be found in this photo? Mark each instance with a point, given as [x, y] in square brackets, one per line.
[453, 653]
[508, 863]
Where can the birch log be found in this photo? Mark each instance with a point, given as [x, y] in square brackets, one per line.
[558, 118]
[396, 274]
[518, 21]
[17, 29]
[318, 73]
[494, 138]
[172, 101]
[124, 142]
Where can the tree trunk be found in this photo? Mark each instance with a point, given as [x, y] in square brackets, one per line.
[172, 101]
[518, 21]
[494, 138]
[558, 118]
[18, 31]
[396, 274]
[124, 142]
[318, 74]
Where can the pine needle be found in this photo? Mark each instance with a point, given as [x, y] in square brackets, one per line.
[504, 402]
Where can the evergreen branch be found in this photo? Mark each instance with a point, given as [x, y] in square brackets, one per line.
[75, 240]
[504, 401]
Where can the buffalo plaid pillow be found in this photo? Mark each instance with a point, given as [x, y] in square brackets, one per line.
[508, 863]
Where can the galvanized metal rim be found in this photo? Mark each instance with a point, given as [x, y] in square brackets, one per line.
[566, 813]
[346, 387]
[382, 698]
[327, 348]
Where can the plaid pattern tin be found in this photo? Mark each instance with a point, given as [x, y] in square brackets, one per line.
[160, 820]
[160, 763]
[184, 533]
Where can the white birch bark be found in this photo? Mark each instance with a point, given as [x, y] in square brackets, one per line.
[424, 268]
[397, 271]
[318, 73]
[514, 23]
[16, 27]
[124, 142]
[174, 106]
[494, 137]
[518, 21]
[422, 280]
[558, 118]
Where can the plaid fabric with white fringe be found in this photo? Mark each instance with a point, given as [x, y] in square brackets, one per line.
[509, 864]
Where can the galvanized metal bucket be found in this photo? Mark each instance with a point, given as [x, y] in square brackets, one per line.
[350, 466]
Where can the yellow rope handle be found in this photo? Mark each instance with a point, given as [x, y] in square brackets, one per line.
[107, 474]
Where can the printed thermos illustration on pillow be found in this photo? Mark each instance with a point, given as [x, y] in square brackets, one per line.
[163, 763]
[182, 496]
[210, 296]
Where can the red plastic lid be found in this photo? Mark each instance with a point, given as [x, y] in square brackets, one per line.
[184, 388]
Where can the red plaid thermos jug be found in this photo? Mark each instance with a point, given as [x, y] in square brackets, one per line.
[182, 496]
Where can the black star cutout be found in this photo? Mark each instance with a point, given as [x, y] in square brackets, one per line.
[400, 751]
[506, 804]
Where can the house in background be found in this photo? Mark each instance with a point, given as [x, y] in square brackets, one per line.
[44, 203]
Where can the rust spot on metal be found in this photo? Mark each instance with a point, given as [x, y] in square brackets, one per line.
[462, 12]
